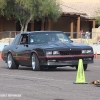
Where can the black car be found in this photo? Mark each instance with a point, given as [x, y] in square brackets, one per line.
[46, 50]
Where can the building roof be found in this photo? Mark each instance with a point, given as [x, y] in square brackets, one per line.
[82, 0]
[70, 10]
[85, 9]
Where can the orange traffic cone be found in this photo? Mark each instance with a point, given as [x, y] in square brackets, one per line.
[96, 55]
[0, 56]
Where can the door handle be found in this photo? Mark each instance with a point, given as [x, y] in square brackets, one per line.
[16, 47]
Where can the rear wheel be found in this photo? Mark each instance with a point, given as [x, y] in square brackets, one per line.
[11, 63]
[35, 62]
[84, 66]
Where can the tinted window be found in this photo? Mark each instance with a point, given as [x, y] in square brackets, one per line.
[24, 39]
[48, 37]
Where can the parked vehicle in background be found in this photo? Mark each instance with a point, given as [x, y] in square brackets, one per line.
[46, 49]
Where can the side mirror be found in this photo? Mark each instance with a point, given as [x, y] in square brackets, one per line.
[71, 40]
[26, 45]
[5, 45]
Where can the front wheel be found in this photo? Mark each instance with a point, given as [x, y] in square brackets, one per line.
[84, 66]
[11, 63]
[35, 62]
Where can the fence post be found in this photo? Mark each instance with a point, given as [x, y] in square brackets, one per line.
[9, 37]
[81, 37]
[15, 34]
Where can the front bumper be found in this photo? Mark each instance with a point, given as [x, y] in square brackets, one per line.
[66, 61]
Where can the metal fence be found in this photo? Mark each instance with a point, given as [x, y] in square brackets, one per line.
[93, 37]
[8, 36]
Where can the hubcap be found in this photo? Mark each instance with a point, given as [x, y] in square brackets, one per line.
[33, 62]
[9, 62]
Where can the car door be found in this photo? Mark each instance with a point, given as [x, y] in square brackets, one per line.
[22, 50]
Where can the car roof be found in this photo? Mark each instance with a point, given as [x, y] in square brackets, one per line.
[39, 32]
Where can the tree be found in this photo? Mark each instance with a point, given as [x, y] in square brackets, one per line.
[39, 9]
[3, 4]
[98, 21]
[25, 11]
[97, 16]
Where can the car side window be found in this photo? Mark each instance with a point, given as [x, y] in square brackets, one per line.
[24, 39]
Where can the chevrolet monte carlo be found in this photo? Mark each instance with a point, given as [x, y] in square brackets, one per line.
[46, 50]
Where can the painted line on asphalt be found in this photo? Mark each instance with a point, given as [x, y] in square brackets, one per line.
[28, 78]
[26, 86]
[24, 78]
[31, 86]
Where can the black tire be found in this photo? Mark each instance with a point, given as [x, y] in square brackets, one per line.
[11, 63]
[84, 66]
[35, 62]
[52, 68]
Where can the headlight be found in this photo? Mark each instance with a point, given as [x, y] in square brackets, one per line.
[86, 51]
[83, 51]
[55, 52]
[89, 51]
[48, 52]
[52, 52]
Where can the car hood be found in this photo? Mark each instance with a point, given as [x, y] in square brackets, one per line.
[64, 45]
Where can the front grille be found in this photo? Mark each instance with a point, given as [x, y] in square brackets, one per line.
[70, 52]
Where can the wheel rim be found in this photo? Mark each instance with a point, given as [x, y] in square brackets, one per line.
[9, 63]
[33, 62]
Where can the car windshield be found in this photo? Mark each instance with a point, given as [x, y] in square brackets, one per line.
[48, 37]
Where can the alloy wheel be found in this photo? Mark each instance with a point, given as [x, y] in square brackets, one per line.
[33, 62]
[9, 61]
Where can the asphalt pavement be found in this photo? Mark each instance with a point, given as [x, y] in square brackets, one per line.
[25, 84]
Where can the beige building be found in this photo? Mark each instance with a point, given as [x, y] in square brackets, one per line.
[76, 16]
